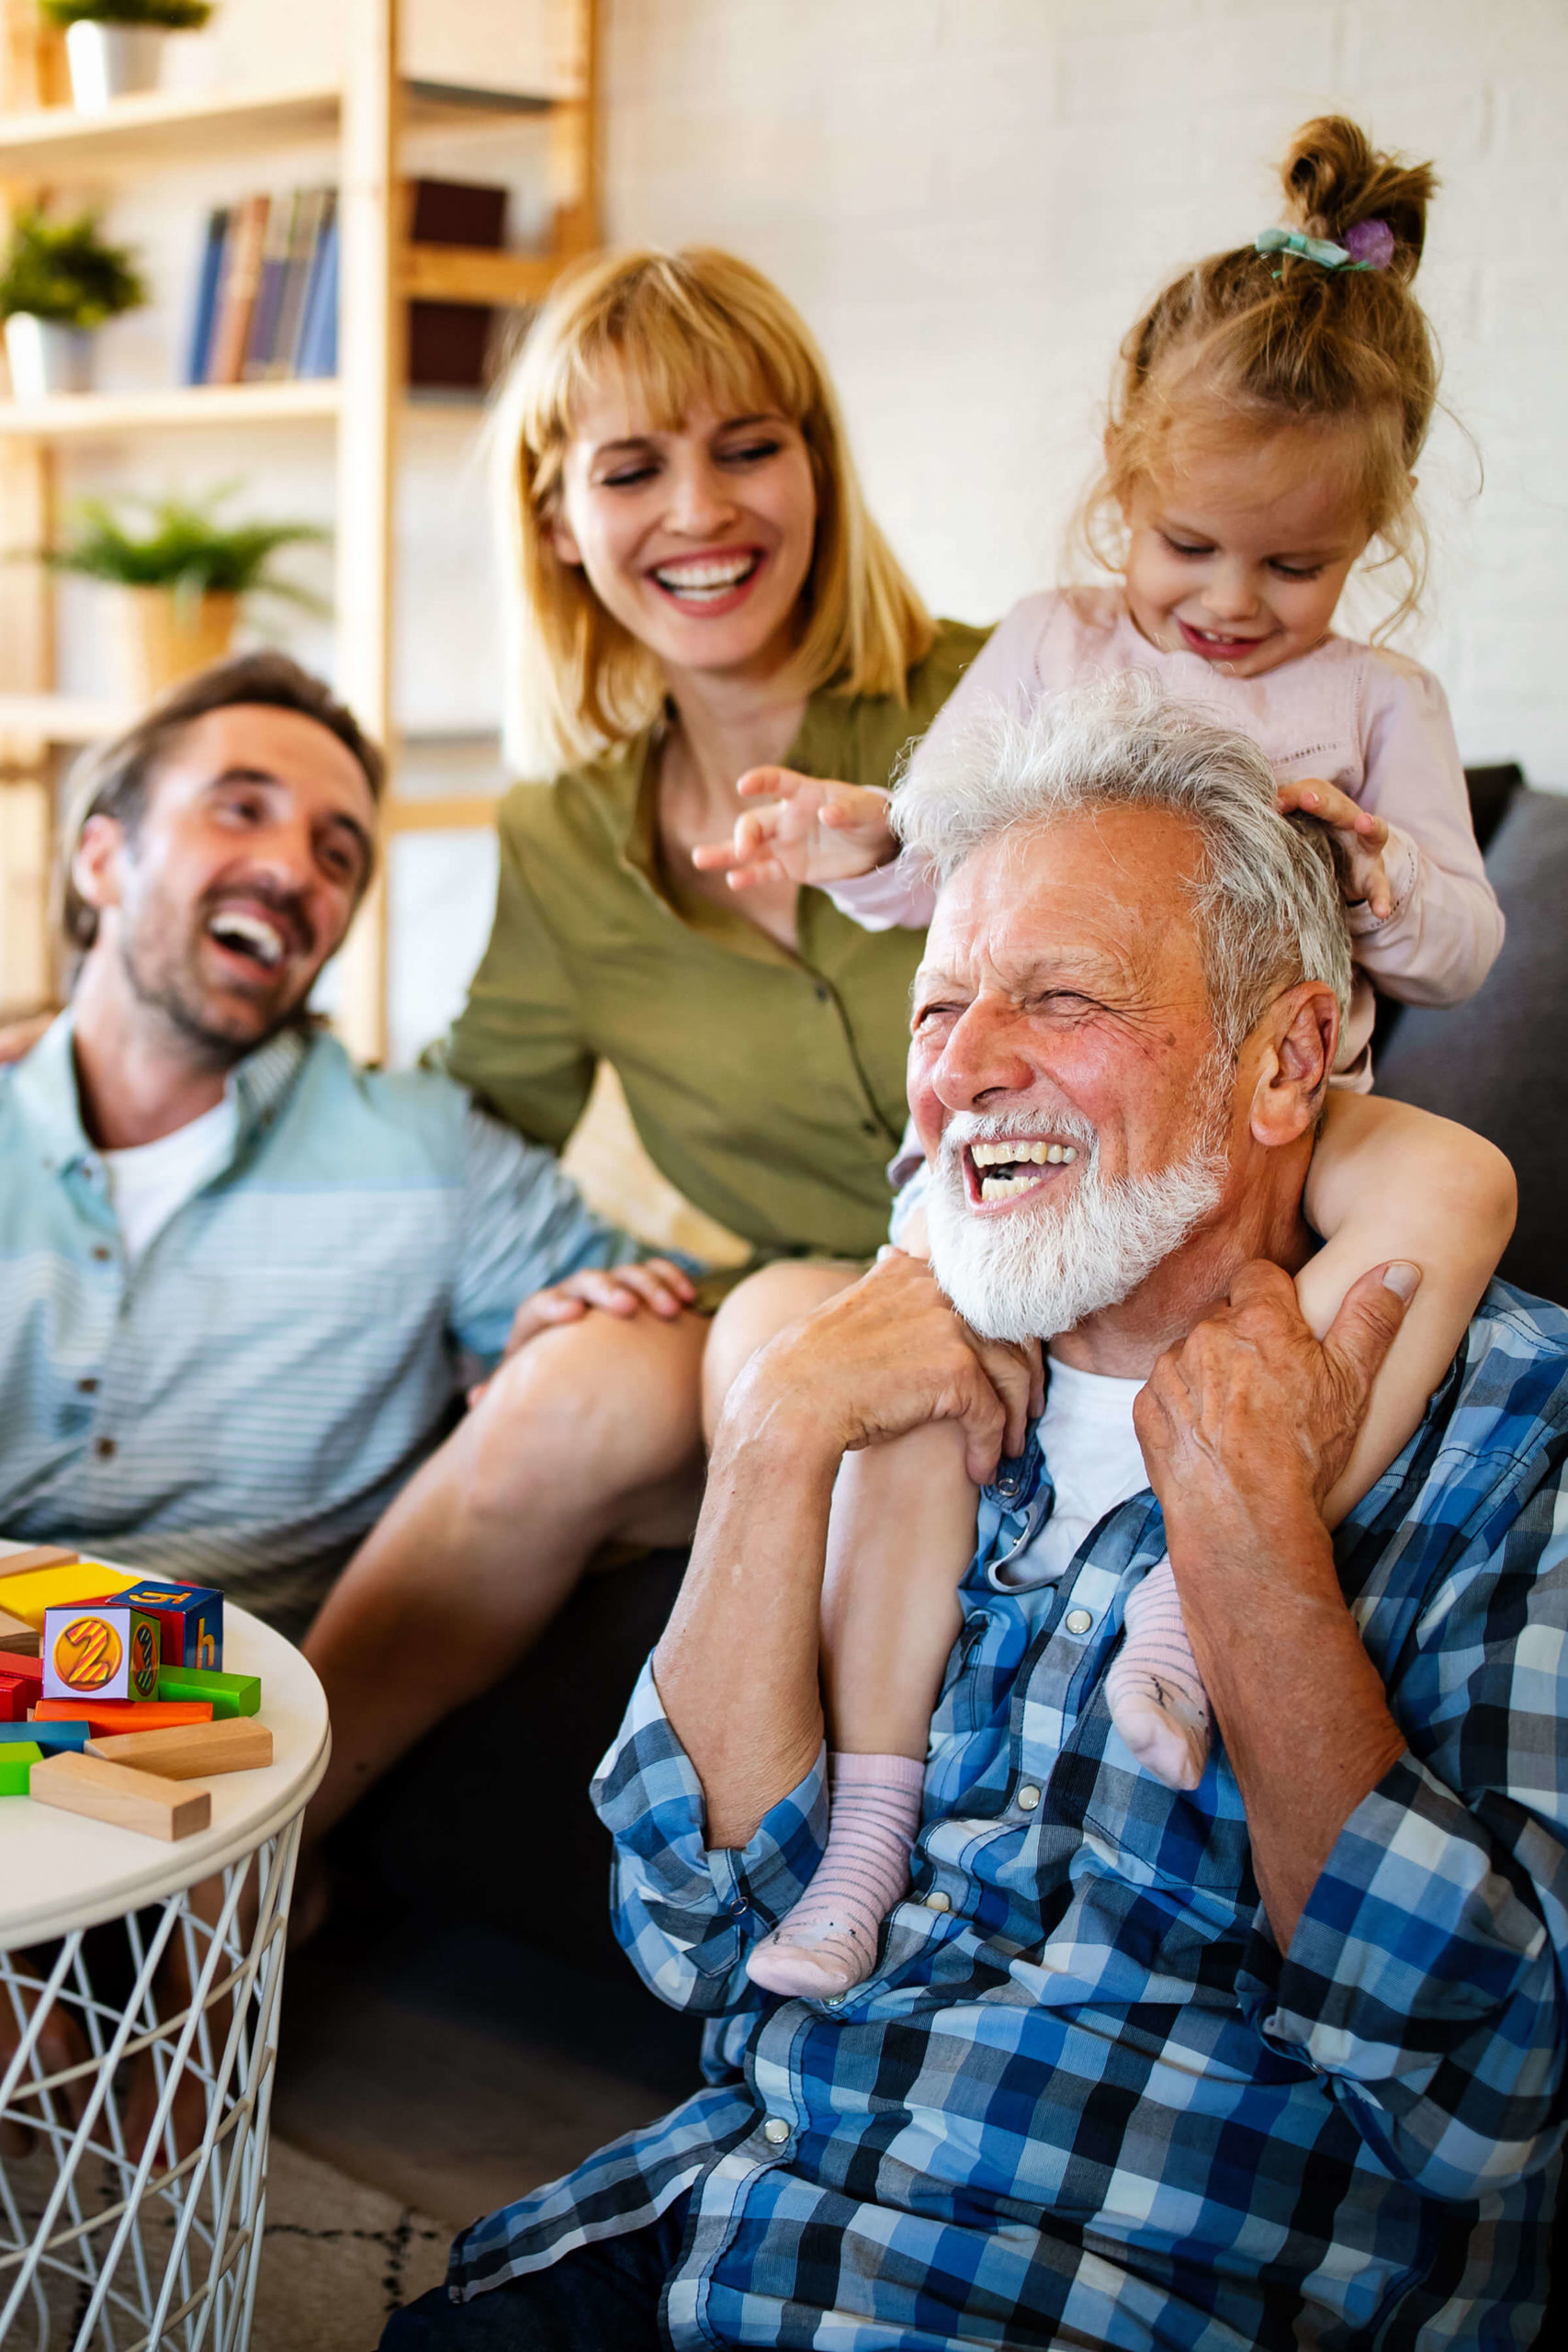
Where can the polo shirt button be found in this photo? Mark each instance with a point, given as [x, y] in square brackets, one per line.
[936, 1901]
[102, 1251]
[88, 1384]
[103, 1447]
[1078, 1621]
[776, 2130]
[1028, 1797]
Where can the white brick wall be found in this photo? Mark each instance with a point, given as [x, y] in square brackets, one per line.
[970, 199]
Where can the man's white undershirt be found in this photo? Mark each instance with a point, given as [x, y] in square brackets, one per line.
[150, 1180]
[1095, 1461]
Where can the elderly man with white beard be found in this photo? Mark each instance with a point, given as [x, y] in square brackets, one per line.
[1271, 2062]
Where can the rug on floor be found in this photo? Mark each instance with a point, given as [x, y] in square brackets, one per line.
[337, 2259]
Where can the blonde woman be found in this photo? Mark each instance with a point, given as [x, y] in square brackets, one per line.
[696, 590]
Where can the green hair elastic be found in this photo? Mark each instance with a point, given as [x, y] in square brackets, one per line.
[1369, 245]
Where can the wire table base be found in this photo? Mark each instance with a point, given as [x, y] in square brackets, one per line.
[121, 2046]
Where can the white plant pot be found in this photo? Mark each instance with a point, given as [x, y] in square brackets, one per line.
[112, 60]
[45, 356]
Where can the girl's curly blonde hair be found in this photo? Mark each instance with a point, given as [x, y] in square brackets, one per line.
[1244, 343]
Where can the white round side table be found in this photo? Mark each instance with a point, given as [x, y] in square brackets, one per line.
[133, 1973]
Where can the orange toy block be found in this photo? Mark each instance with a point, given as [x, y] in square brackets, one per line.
[241, 1745]
[109, 1715]
[113, 1793]
[30, 1595]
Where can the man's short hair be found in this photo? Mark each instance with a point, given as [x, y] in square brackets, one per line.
[112, 779]
[1267, 902]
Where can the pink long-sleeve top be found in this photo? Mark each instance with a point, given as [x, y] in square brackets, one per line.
[1371, 721]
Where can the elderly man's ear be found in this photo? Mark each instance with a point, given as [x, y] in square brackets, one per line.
[1289, 1057]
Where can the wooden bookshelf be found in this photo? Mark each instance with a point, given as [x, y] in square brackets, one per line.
[45, 145]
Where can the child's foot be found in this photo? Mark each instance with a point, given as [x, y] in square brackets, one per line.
[1158, 1700]
[828, 1943]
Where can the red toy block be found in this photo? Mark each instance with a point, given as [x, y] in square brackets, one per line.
[16, 1698]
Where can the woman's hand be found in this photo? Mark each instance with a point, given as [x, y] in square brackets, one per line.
[654, 1284]
[815, 832]
[1360, 837]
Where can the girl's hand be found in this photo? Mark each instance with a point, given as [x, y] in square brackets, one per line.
[815, 832]
[655, 1284]
[1360, 838]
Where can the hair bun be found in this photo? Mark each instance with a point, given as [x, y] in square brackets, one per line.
[1334, 178]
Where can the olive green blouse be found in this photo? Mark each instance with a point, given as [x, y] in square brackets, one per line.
[767, 1086]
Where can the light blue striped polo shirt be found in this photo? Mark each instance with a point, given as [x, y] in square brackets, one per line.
[239, 1405]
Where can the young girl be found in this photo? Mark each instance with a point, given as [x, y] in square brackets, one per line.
[1268, 411]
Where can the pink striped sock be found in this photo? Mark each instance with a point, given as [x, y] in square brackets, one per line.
[828, 1942]
[1158, 1700]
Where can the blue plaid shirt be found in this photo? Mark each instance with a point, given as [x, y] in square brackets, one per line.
[1084, 2099]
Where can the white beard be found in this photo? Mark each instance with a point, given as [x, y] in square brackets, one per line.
[1041, 1268]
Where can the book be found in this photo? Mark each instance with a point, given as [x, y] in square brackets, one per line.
[310, 296]
[304, 230]
[259, 342]
[242, 251]
[204, 310]
[318, 334]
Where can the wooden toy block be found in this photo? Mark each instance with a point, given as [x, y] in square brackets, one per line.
[190, 1619]
[48, 1736]
[29, 1596]
[236, 1746]
[26, 1670]
[16, 1698]
[109, 1650]
[15, 1633]
[113, 1792]
[231, 1694]
[16, 1767]
[39, 1555]
[107, 1715]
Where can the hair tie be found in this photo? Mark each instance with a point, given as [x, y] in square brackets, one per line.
[1369, 246]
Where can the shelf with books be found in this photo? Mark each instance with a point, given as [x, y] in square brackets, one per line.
[99, 416]
[167, 127]
[65, 719]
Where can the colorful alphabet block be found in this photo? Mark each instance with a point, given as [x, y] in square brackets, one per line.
[17, 1762]
[105, 1650]
[113, 1792]
[48, 1736]
[29, 1594]
[190, 1617]
[231, 1694]
[119, 1714]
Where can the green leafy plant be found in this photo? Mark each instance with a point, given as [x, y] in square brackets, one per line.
[181, 545]
[171, 16]
[63, 270]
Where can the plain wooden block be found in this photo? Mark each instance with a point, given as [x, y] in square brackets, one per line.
[115, 1794]
[107, 1715]
[15, 1633]
[38, 1556]
[192, 1753]
[16, 1767]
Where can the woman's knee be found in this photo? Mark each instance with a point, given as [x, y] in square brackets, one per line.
[604, 1402]
[755, 1310]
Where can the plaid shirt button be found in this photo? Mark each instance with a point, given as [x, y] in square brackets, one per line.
[776, 2130]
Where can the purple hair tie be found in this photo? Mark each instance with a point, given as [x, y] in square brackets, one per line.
[1370, 243]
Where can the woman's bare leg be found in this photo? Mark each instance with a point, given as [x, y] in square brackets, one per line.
[589, 1434]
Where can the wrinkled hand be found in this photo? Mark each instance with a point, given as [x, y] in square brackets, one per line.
[654, 1284]
[1360, 837]
[887, 1355]
[1251, 1416]
[814, 831]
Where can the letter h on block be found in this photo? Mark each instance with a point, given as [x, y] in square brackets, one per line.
[191, 1619]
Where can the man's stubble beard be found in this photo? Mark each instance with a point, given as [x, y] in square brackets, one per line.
[160, 961]
[1042, 1269]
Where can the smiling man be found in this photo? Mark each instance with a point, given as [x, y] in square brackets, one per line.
[240, 1278]
[1274, 2061]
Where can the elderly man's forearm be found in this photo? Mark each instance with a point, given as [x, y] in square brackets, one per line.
[1302, 1713]
[737, 1665]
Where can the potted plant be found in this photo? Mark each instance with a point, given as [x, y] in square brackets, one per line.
[58, 281]
[180, 573]
[117, 46]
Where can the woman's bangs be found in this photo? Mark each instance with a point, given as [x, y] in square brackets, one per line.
[673, 370]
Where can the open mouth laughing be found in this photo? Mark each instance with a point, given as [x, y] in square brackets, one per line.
[1008, 1167]
[699, 583]
[252, 938]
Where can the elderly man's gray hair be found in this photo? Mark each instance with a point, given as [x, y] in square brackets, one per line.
[1267, 903]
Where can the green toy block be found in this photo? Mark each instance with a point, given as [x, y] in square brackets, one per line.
[51, 1737]
[231, 1694]
[17, 1760]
